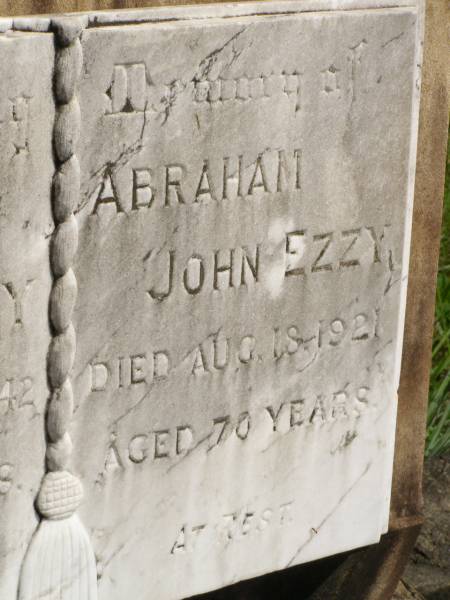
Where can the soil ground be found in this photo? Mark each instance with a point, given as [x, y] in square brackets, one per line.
[427, 576]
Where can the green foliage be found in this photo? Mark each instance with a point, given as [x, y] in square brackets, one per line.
[438, 423]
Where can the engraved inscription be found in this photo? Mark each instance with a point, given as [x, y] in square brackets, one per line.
[6, 478]
[232, 527]
[20, 120]
[247, 88]
[320, 409]
[15, 123]
[15, 394]
[127, 93]
[331, 80]
[128, 371]
[187, 539]
[219, 270]
[16, 295]
[306, 253]
[219, 354]
[311, 410]
[215, 180]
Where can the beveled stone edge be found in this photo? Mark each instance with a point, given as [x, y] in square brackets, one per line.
[407, 238]
[159, 14]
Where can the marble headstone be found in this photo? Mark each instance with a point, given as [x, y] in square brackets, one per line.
[26, 225]
[244, 217]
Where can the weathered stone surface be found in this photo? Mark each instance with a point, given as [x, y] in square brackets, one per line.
[26, 223]
[240, 263]
[239, 248]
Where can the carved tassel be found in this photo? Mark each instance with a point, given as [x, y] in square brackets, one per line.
[60, 563]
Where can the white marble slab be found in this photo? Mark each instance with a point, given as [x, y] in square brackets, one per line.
[244, 225]
[236, 421]
[26, 224]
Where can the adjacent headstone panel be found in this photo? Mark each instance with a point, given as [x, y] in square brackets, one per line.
[244, 219]
[26, 226]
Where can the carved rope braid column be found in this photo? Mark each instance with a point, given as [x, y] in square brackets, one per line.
[66, 187]
[60, 562]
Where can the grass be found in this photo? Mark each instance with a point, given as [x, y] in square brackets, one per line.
[438, 421]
